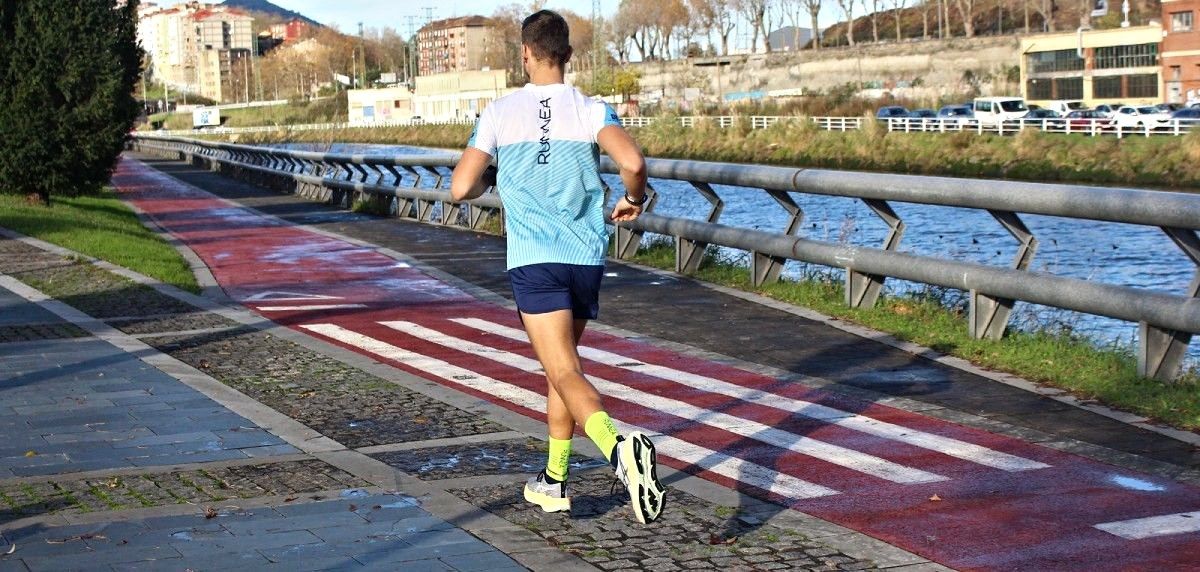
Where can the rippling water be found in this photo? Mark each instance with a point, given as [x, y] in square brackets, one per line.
[1112, 253]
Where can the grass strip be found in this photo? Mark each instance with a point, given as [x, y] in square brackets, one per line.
[932, 318]
[100, 226]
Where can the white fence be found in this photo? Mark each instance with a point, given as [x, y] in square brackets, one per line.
[1092, 127]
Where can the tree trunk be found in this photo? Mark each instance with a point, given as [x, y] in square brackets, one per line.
[897, 23]
[875, 21]
[925, 24]
[816, 33]
[1025, 7]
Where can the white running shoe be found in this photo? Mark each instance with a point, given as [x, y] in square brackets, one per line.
[552, 497]
[637, 469]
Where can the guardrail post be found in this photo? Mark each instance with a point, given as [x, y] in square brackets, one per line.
[1160, 351]
[690, 253]
[764, 268]
[862, 290]
[627, 240]
[987, 315]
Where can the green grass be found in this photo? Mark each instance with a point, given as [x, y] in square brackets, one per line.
[936, 320]
[100, 226]
[328, 110]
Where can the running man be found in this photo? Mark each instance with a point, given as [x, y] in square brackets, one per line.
[544, 138]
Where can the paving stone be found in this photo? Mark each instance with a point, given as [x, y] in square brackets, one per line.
[341, 402]
[26, 333]
[692, 533]
[198, 486]
[489, 561]
[507, 457]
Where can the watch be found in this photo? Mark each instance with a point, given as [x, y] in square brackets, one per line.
[645, 197]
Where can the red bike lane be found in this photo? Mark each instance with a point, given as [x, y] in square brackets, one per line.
[959, 496]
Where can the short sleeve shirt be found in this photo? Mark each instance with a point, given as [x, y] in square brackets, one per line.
[544, 140]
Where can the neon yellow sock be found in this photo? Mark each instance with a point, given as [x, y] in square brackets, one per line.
[560, 457]
[603, 433]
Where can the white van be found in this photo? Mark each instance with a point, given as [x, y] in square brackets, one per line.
[992, 111]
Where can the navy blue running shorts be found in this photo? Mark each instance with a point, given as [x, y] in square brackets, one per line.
[542, 288]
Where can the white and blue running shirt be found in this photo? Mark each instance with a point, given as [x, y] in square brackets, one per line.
[544, 140]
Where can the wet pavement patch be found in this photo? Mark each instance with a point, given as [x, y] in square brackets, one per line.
[341, 402]
[691, 533]
[473, 460]
[196, 486]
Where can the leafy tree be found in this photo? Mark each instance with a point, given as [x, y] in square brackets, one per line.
[67, 73]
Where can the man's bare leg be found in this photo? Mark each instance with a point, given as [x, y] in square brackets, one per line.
[554, 341]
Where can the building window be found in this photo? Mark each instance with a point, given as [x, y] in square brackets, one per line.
[1176, 73]
[1059, 60]
[1137, 56]
[1106, 87]
[1068, 88]
[1143, 85]
[1181, 21]
[1040, 89]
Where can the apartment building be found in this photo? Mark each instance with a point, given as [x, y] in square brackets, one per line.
[193, 46]
[456, 44]
[1180, 51]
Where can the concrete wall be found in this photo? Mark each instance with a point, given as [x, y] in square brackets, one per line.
[938, 65]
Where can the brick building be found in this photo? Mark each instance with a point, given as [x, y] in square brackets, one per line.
[456, 44]
[1180, 51]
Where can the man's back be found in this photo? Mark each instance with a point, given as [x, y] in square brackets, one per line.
[544, 140]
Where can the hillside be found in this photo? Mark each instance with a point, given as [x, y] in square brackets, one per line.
[991, 18]
[265, 10]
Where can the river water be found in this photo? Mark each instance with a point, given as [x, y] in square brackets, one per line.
[1113, 253]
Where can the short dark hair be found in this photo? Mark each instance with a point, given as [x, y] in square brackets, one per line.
[546, 34]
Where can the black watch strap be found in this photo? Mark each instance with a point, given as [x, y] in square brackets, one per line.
[645, 197]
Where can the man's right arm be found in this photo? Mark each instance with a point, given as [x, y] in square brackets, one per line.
[624, 151]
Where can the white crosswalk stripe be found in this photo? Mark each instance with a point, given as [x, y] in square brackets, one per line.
[747, 472]
[945, 445]
[828, 452]
[1151, 526]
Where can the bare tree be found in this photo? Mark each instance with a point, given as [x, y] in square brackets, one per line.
[715, 15]
[847, 7]
[813, 7]
[792, 10]
[755, 12]
[1046, 9]
[670, 16]
[966, 12]
[875, 20]
[897, 7]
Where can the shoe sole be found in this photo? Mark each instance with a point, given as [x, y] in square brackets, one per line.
[547, 502]
[646, 494]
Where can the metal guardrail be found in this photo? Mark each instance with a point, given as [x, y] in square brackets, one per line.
[1166, 320]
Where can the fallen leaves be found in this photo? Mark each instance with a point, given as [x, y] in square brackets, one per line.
[717, 540]
[291, 498]
[935, 498]
[210, 512]
[86, 536]
[31, 453]
[353, 507]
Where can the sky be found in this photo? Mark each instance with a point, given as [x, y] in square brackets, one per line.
[346, 14]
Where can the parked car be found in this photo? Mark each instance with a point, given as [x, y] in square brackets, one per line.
[1109, 109]
[1084, 119]
[891, 112]
[922, 118]
[1065, 106]
[960, 112]
[1187, 113]
[1037, 118]
[1169, 107]
[1147, 116]
[993, 111]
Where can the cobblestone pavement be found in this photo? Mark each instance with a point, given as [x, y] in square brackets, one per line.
[691, 534]
[341, 402]
[509, 457]
[194, 487]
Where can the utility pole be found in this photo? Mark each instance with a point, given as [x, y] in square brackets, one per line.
[410, 44]
[363, 49]
[597, 40]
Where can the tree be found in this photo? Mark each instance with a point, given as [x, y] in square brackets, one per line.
[847, 7]
[755, 12]
[897, 6]
[813, 7]
[966, 11]
[67, 76]
[715, 15]
[875, 20]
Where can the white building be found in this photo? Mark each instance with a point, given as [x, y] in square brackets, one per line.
[455, 96]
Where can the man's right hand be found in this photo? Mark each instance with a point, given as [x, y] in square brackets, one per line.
[625, 212]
